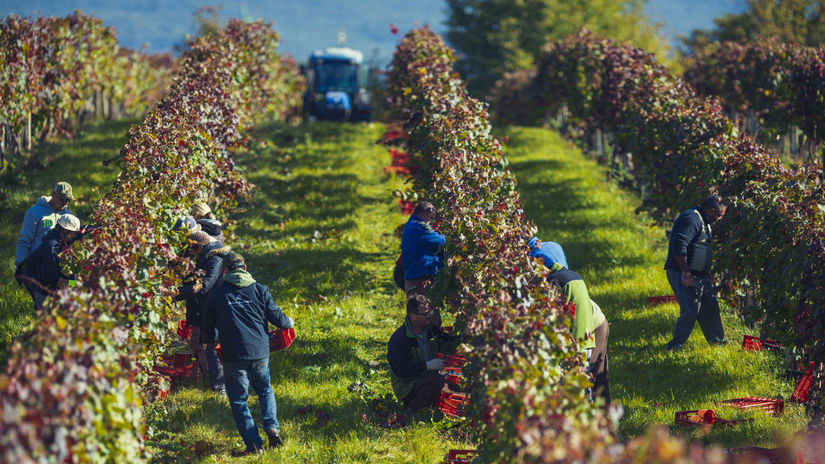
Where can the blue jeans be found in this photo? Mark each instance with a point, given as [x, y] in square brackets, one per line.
[695, 303]
[239, 375]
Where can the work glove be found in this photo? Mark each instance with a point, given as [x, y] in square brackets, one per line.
[435, 364]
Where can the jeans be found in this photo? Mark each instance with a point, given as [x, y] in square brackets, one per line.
[239, 375]
[695, 303]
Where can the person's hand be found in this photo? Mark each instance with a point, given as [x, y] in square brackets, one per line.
[688, 280]
[436, 364]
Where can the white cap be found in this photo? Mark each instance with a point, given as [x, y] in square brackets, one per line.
[69, 222]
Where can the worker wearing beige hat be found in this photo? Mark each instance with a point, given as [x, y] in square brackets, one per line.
[40, 272]
[206, 219]
[40, 219]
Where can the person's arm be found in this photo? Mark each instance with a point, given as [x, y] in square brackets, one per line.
[209, 320]
[432, 240]
[400, 359]
[50, 266]
[25, 238]
[685, 229]
[212, 272]
[274, 314]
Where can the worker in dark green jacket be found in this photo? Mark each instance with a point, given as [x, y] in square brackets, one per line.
[413, 355]
[590, 327]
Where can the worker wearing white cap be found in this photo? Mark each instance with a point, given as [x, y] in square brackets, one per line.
[40, 272]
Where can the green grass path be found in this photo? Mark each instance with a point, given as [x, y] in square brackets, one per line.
[77, 161]
[320, 234]
[621, 258]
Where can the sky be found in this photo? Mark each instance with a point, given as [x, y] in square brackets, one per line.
[311, 24]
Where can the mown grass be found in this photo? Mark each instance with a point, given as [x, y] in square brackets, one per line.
[320, 234]
[77, 161]
[621, 257]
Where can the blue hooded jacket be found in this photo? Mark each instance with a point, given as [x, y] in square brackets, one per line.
[37, 222]
[421, 251]
[550, 252]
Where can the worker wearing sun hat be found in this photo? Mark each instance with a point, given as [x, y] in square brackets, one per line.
[205, 218]
[40, 219]
[40, 272]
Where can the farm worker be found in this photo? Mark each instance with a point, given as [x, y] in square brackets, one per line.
[422, 254]
[204, 217]
[590, 327]
[548, 252]
[689, 256]
[40, 272]
[208, 254]
[241, 310]
[40, 219]
[413, 355]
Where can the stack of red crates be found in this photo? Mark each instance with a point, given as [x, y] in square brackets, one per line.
[751, 343]
[281, 339]
[176, 367]
[452, 404]
[802, 392]
[453, 360]
[406, 206]
[461, 456]
[772, 406]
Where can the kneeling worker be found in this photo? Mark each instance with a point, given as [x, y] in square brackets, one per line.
[241, 310]
[412, 353]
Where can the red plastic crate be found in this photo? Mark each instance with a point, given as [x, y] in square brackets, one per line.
[184, 330]
[453, 374]
[461, 456]
[397, 170]
[705, 417]
[407, 207]
[770, 405]
[453, 360]
[392, 134]
[452, 404]
[281, 339]
[178, 360]
[751, 343]
[399, 157]
[654, 300]
[175, 374]
[802, 392]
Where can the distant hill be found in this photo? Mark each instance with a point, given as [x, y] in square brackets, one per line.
[305, 26]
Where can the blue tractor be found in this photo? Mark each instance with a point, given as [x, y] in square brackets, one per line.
[335, 86]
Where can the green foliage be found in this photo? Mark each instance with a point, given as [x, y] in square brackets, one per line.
[781, 83]
[526, 373]
[318, 233]
[499, 36]
[52, 68]
[793, 21]
[771, 244]
[71, 391]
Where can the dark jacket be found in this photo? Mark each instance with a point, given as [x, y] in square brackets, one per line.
[241, 316]
[43, 264]
[210, 260]
[421, 251]
[213, 228]
[405, 357]
[690, 236]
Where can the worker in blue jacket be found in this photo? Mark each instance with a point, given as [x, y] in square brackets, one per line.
[549, 252]
[241, 310]
[421, 248]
